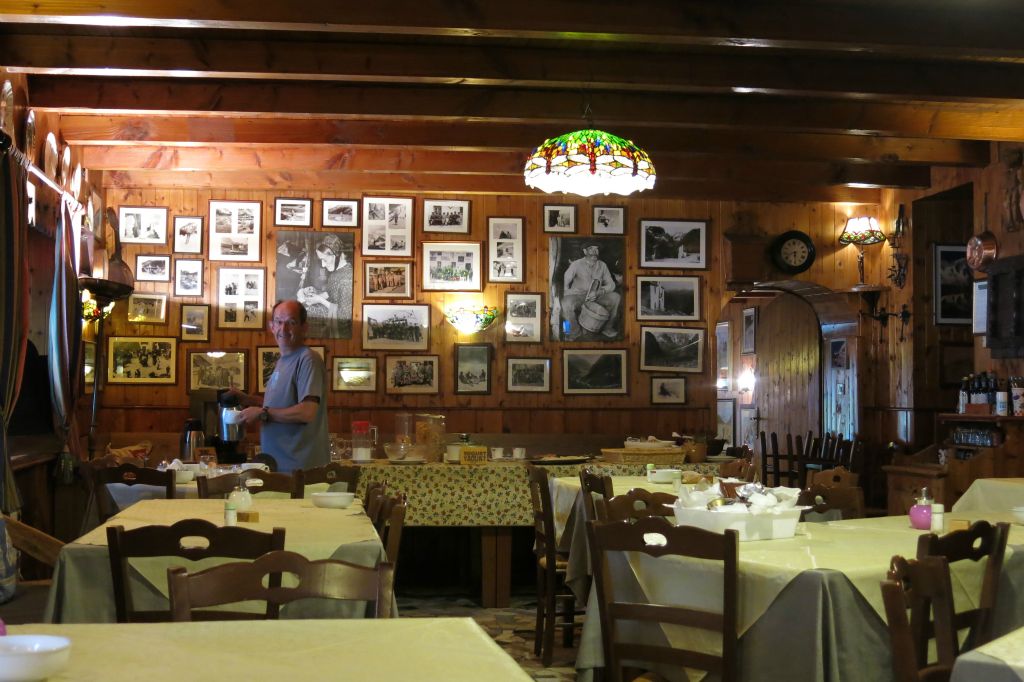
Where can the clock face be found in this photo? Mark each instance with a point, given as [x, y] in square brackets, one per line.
[792, 252]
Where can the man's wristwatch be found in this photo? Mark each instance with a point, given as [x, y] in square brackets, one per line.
[265, 415]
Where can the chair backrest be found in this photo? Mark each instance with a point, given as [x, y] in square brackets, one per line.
[330, 473]
[919, 586]
[33, 542]
[742, 469]
[232, 542]
[593, 483]
[635, 504]
[389, 525]
[848, 501]
[100, 475]
[244, 581]
[375, 492]
[677, 540]
[773, 473]
[840, 477]
[981, 540]
[218, 486]
[544, 545]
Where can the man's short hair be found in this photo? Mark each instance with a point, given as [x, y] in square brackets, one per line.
[302, 309]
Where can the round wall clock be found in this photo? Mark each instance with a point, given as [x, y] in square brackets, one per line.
[792, 252]
[982, 249]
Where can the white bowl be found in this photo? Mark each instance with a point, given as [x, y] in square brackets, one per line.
[332, 500]
[32, 657]
[183, 475]
[1018, 513]
[665, 475]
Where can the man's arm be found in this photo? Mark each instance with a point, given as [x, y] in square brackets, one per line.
[302, 412]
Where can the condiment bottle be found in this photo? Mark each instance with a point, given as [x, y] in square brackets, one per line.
[230, 514]
[362, 444]
[921, 513]
[938, 522]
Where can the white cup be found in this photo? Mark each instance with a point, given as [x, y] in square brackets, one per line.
[518, 453]
[497, 453]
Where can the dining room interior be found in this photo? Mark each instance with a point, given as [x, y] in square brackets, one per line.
[743, 277]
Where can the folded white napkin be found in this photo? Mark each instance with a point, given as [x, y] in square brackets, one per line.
[176, 465]
[697, 499]
[774, 501]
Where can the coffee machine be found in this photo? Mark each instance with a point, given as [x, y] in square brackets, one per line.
[230, 429]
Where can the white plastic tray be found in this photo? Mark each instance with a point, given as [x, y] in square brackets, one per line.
[749, 526]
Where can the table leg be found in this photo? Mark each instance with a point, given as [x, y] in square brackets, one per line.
[496, 566]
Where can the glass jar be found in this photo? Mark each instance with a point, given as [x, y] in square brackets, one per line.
[921, 513]
[403, 427]
[431, 433]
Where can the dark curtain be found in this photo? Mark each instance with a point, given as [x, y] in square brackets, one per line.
[65, 336]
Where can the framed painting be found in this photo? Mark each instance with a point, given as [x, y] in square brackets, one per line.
[151, 268]
[216, 369]
[673, 244]
[559, 218]
[505, 250]
[195, 321]
[668, 390]
[235, 230]
[147, 308]
[593, 372]
[587, 280]
[315, 268]
[671, 349]
[340, 212]
[188, 234]
[979, 304]
[725, 420]
[748, 343]
[675, 299]
[524, 313]
[188, 277]
[240, 297]
[473, 368]
[528, 375]
[838, 354]
[609, 220]
[292, 212]
[396, 326]
[723, 355]
[387, 226]
[142, 224]
[411, 374]
[748, 426]
[451, 266]
[354, 374]
[142, 360]
[953, 284]
[387, 280]
[446, 215]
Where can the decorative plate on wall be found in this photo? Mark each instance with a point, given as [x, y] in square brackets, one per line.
[50, 156]
[65, 167]
[7, 108]
[30, 135]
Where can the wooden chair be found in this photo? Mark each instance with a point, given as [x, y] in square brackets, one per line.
[98, 475]
[244, 581]
[919, 586]
[390, 523]
[678, 541]
[848, 502]
[593, 483]
[551, 567]
[635, 504]
[331, 474]
[229, 541]
[772, 472]
[742, 469]
[219, 486]
[840, 477]
[375, 492]
[29, 602]
[981, 540]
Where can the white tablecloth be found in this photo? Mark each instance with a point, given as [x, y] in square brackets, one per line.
[992, 495]
[1001, 660]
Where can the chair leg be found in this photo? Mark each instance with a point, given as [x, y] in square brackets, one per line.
[538, 631]
[568, 616]
[547, 650]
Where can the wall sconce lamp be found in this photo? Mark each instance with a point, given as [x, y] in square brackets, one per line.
[881, 315]
[862, 231]
[471, 320]
[746, 380]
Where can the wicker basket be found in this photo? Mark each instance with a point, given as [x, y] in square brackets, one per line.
[659, 456]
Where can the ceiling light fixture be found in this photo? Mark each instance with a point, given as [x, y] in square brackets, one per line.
[588, 162]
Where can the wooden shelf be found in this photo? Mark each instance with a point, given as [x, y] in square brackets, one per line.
[980, 418]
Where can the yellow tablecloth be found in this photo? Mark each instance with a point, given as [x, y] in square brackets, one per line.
[428, 649]
[1001, 660]
[992, 495]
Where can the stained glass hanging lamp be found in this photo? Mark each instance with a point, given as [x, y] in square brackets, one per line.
[588, 162]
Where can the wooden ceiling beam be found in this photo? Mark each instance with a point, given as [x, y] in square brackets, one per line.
[411, 102]
[941, 27]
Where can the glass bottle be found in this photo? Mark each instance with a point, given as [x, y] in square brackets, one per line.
[921, 513]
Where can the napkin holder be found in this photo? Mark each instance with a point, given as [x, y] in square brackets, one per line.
[473, 454]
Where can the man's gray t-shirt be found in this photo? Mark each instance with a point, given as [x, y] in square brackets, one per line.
[297, 375]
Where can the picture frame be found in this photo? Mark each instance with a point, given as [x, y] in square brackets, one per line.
[979, 316]
[188, 277]
[195, 321]
[559, 218]
[672, 349]
[142, 360]
[396, 326]
[506, 249]
[217, 369]
[147, 308]
[609, 220]
[473, 368]
[235, 231]
[748, 426]
[723, 355]
[266, 360]
[839, 357]
[446, 215]
[387, 280]
[575, 266]
[240, 298]
[293, 212]
[88, 366]
[673, 243]
[589, 371]
[748, 337]
[451, 266]
[354, 374]
[188, 234]
[725, 420]
[663, 297]
[952, 284]
[411, 374]
[142, 224]
[527, 375]
[524, 317]
[152, 268]
[339, 212]
[387, 226]
[668, 390]
[316, 268]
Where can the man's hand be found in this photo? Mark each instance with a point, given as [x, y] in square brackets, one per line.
[251, 415]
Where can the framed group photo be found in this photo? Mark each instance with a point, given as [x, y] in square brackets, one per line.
[142, 360]
[673, 244]
[354, 374]
[593, 372]
[188, 277]
[505, 250]
[411, 374]
[528, 375]
[446, 215]
[142, 224]
[396, 326]
[188, 234]
[387, 280]
[240, 297]
[524, 312]
[341, 212]
[216, 369]
[293, 212]
[235, 230]
[387, 226]
[451, 266]
[147, 308]
[473, 368]
[671, 349]
[668, 298]
[195, 321]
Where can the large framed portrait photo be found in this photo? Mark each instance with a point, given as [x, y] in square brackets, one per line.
[446, 215]
[396, 326]
[673, 244]
[142, 360]
[451, 266]
[142, 224]
[586, 275]
[593, 372]
[315, 268]
[235, 230]
[671, 349]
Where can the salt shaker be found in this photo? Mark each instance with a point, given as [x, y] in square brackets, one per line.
[230, 514]
[938, 523]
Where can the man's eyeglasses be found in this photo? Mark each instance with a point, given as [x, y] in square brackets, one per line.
[285, 323]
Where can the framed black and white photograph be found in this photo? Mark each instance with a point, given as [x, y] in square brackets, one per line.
[559, 218]
[411, 373]
[673, 244]
[387, 280]
[216, 369]
[235, 229]
[188, 234]
[147, 308]
[979, 318]
[315, 268]
[150, 268]
[723, 355]
[451, 266]
[594, 372]
[266, 361]
[748, 426]
[142, 360]
[188, 277]
[528, 375]
[240, 298]
[668, 298]
[341, 212]
[839, 354]
[506, 246]
[387, 226]
[446, 215]
[524, 317]
[396, 326]
[671, 349]
[88, 366]
[748, 340]
[195, 321]
[587, 280]
[725, 421]
[142, 224]
[354, 374]
[473, 368]
[668, 390]
[292, 212]
[954, 284]
[609, 220]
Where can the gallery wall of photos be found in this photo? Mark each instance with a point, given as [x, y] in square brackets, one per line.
[617, 338]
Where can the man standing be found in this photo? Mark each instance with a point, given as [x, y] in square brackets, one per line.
[588, 280]
[294, 408]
